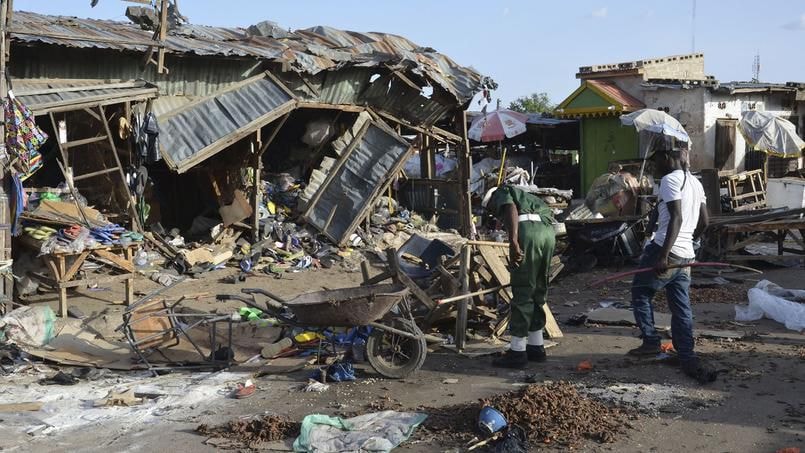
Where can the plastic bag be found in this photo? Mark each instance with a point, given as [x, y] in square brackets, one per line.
[762, 303]
[33, 326]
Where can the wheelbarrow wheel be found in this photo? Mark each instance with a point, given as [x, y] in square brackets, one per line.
[395, 356]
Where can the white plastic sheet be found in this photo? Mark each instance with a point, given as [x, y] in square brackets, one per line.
[764, 303]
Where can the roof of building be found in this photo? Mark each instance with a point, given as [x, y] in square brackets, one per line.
[598, 98]
[50, 96]
[310, 50]
[634, 67]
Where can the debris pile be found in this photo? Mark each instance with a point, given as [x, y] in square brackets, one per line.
[552, 414]
[252, 432]
[558, 414]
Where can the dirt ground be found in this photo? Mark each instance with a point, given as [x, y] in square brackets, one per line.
[756, 405]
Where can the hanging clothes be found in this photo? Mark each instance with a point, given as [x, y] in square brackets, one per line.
[148, 139]
[23, 137]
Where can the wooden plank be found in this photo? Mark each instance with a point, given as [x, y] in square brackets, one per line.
[83, 141]
[79, 260]
[94, 174]
[32, 406]
[503, 276]
[115, 259]
[378, 278]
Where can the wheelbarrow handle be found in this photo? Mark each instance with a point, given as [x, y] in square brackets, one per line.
[269, 308]
[264, 293]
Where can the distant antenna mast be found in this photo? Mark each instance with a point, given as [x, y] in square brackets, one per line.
[756, 68]
[693, 29]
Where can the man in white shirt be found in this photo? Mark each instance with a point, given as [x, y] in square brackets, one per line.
[682, 219]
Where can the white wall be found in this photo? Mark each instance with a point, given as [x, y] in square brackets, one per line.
[687, 106]
[735, 105]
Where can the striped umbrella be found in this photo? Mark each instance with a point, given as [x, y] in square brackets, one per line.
[498, 125]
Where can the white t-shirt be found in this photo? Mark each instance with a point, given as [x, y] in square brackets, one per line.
[676, 186]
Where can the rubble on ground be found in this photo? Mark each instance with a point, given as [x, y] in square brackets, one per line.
[253, 431]
[554, 414]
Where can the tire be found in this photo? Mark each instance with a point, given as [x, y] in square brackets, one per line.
[394, 356]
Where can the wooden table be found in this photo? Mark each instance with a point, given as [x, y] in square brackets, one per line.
[64, 268]
[779, 229]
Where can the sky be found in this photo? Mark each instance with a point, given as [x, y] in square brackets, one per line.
[530, 46]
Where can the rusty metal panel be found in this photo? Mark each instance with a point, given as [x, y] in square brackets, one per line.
[353, 185]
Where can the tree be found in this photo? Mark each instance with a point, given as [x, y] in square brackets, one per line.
[534, 103]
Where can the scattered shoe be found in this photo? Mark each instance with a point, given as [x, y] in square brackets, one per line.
[60, 378]
[536, 353]
[244, 390]
[511, 359]
[646, 349]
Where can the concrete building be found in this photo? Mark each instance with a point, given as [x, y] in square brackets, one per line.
[709, 111]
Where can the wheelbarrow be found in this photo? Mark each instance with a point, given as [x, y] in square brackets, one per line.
[395, 348]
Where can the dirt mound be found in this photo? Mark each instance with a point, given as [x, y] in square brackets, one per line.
[253, 431]
[553, 414]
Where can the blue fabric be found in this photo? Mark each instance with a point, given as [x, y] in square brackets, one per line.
[676, 283]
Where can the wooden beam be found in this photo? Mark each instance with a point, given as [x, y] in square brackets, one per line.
[83, 141]
[163, 33]
[135, 221]
[118, 261]
[105, 171]
[274, 133]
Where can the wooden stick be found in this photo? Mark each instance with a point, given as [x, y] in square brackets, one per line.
[488, 243]
[448, 300]
[621, 275]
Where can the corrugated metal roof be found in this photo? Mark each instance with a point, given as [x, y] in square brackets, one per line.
[197, 131]
[617, 94]
[747, 87]
[63, 95]
[312, 50]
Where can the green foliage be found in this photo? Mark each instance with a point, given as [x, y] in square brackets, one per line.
[534, 103]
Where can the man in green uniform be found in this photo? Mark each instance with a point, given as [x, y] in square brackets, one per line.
[528, 222]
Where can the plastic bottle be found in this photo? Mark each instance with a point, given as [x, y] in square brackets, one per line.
[141, 258]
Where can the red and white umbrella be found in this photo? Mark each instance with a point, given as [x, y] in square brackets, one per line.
[498, 125]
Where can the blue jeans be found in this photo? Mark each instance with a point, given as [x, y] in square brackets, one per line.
[677, 285]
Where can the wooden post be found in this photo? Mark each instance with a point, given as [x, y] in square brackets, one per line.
[464, 171]
[128, 253]
[257, 196]
[163, 32]
[464, 280]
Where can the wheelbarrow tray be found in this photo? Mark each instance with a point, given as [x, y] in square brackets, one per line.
[346, 307]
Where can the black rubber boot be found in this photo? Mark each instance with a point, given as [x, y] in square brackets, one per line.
[511, 359]
[646, 349]
[536, 353]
